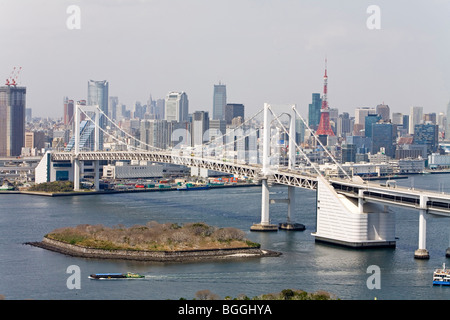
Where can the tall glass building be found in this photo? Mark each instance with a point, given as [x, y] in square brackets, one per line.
[12, 120]
[383, 137]
[220, 101]
[98, 95]
[314, 111]
[177, 107]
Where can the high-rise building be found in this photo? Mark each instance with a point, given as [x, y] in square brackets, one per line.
[369, 121]
[112, 106]
[12, 120]
[219, 101]
[177, 107]
[383, 138]
[314, 111]
[68, 111]
[233, 110]
[397, 118]
[200, 127]
[384, 111]
[343, 125]
[98, 95]
[415, 117]
[427, 134]
[348, 153]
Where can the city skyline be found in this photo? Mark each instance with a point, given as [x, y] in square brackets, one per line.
[264, 51]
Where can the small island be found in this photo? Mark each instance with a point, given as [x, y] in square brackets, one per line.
[153, 242]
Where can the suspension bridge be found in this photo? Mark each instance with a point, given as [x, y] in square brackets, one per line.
[350, 211]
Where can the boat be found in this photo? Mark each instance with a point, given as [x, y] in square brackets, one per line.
[441, 276]
[110, 276]
[191, 186]
[6, 186]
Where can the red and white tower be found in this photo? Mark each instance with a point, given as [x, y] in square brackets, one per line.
[324, 125]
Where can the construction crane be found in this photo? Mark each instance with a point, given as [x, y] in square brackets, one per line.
[13, 78]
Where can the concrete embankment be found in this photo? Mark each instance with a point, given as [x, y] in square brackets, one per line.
[156, 256]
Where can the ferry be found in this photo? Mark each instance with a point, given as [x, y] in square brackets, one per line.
[441, 276]
[110, 276]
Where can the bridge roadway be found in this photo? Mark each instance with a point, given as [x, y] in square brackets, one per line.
[436, 203]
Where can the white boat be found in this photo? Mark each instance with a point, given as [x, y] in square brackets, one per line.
[441, 276]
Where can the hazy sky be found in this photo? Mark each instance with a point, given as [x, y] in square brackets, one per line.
[263, 50]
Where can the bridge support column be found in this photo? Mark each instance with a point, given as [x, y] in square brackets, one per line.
[96, 175]
[289, 225]
[76, 175]
[422, 252]
[265, 220]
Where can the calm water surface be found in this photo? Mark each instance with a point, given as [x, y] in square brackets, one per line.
[33, 273]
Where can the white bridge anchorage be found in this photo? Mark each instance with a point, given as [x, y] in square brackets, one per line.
[350, 211]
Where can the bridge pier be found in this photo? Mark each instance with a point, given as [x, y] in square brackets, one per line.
[289, 225]
[265, 224]
[76, 175]
[422, 252]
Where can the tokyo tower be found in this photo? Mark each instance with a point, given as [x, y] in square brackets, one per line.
[324, 125]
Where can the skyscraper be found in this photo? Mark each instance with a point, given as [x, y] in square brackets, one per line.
[219, 101]
[384, 111]
[369, 121]
[68, 111]
[200, 126]
[233, 110]
[12, 120]
[415, 117]
[177, 107]
[314, 111]
[383, 137]
[427, 134]
[98, 95]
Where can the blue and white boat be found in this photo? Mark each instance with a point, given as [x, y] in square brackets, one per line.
[110, 276]
[441, 276]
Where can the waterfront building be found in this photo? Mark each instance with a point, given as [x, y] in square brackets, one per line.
[177, 107]
[219, 101]
[12, 120]
[314, 111]
[415, 117]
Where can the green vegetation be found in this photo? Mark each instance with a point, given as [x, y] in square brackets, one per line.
[153, 236]
[56, 186]
[286, 294]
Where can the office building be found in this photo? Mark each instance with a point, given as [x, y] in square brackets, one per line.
[383, 138]
[12, 120]
[219, 101]
[369, 121]
[233, 110]
[415, 117]
[314, 111]
[348, 153]
[98, 95]
[427, 134]
[343, 127]
[177, 107]
[68, 111]
[397, 118]
[113, 106]
[200, 128]
[383, 111]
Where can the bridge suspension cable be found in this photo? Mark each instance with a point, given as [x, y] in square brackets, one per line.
[323, 147]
